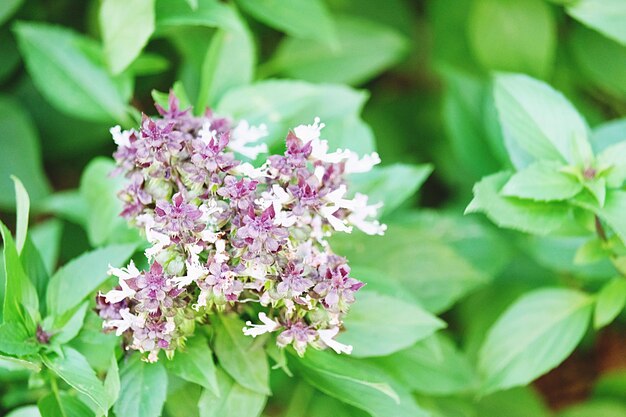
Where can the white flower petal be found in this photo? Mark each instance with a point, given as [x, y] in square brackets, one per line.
[327, 336]
[255, 330]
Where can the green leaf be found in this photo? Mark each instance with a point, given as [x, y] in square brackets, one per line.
[433, 366]
[513, 35]
[112, 384]
[126, 26]
[65, 405]
[284, 104]
[14, 340]
[94, 344]
[542, 181]
[419, 267]
[19, 290]
[26, 411]
[99, 190]
[83, 275]
[233, 401]
[74, 369]
[538, 122]
[143, 389]
[614, 157]
[20, 154]
[472, 126]
[510, 212]
[243, 359]
[612, 212]
[365, 49]
[516, 402]
[195, 364]
[369, 330]
[534, 335]
[68, 70]
[149, 64]
[308, 19]
[357, 383]
[68, 326]
[8, 8]
[391, 184]
[23, 209]
[217, 74]
[162, 99]
[35, 269]
[605, 16]
[610, 302]
[211, 13]
[46, 238]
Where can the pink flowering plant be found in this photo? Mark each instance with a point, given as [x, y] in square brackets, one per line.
[229, 237]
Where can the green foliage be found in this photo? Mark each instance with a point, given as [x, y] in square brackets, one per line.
[523, 98]
[142, 390]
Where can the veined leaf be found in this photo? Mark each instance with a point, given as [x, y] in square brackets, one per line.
[233, 401]
[533, 335]
[610, 302]
[542, 181]
[195, 364]
[605, 16]
[143, 389]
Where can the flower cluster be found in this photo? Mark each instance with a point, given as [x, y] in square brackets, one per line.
[224, 233]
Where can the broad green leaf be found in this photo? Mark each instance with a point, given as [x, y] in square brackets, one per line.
[26, 411]
[35, 269]
[513, 35]
[600, 59]
[357, 383]
[95, 345]
[68, 326]
[218, 74]
[14, 364]
[614, 156]
[20, 154]
[65, 405]
[23, 210]
[423, 268]
[285, 104]
[610, 302]
[195, 364]
[234, 400]
[68, 205]
[534, 335]
[67, 70]
[365, 49]
[433, 366]
[612, 211]
[15, 340]
[510, 212]
[472, 126]
[605, 16]
[8, 8]
[149, 64]
[112, 383]
[83, 275]
[391, 184]
[74, 369]
[46, 238]
[212, 13]
[309, 19]
[143, 389]
[542, 181]
[126, 26]
[19, 290]
[99, 190]
[182, 392]
[369, 330]
[538, 122]
[244, 360]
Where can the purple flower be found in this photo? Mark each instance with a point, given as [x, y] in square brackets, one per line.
[259, 233]
[181, 220]
[239, 192]
[337, 288]
[298, 334]
[155, 291]
[220, 285]
[293, 281]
